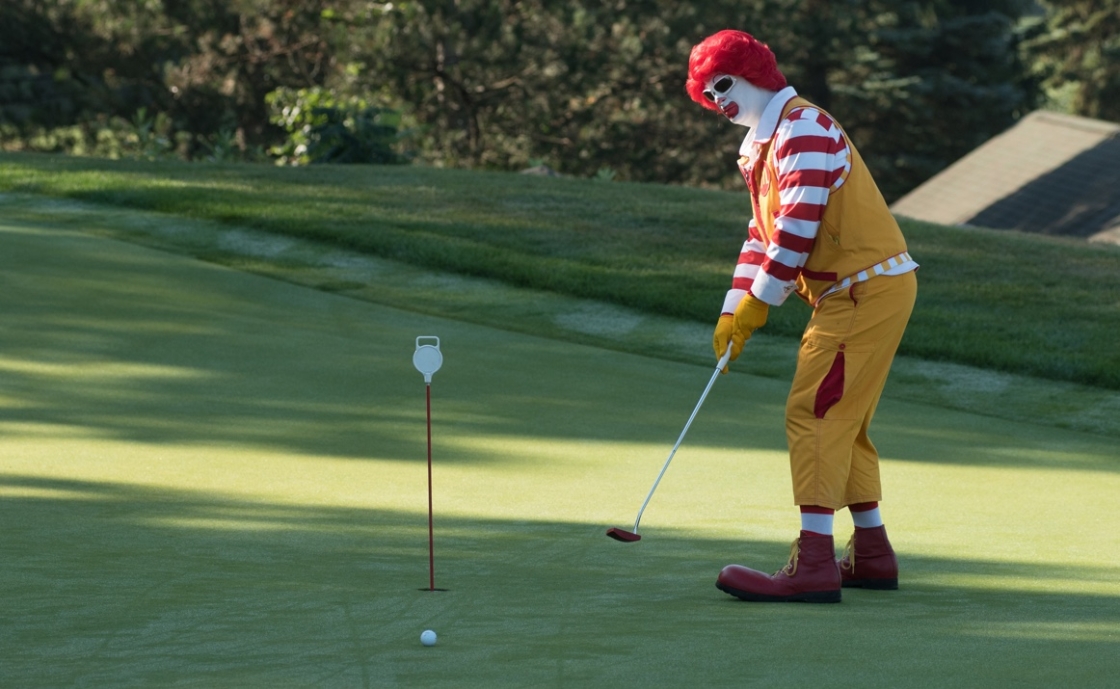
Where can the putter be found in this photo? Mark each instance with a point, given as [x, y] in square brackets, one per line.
[631, 536]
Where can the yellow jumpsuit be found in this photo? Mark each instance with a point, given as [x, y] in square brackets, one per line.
[858, 320]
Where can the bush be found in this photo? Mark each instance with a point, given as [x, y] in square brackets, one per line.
[325, 128]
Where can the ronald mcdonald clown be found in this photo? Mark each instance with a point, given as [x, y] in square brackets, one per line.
[821, 230]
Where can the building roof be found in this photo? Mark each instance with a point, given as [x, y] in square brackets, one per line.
[1050, 173]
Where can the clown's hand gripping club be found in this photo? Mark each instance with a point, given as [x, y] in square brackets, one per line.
[631, 536]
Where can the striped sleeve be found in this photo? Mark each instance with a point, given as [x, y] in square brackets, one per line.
[812, 158]
[746, 270]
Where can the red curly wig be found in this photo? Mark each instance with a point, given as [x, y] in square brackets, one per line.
[735, 53]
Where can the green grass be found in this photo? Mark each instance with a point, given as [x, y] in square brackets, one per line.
[216, 479]
[537, 312]
[1039, 306]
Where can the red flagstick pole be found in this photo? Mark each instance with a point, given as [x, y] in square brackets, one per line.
[427, 360]
[431, 539]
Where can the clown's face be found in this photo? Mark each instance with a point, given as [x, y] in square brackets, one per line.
[737, 99]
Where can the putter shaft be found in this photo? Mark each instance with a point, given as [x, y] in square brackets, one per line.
[715, 374]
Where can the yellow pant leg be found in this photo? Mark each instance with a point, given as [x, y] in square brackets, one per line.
[842, 366]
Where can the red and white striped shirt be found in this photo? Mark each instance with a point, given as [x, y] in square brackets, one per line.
[812, 160]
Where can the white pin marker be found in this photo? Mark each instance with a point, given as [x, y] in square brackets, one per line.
[427, 359]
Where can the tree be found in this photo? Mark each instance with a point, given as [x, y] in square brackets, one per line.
[929, 83]
[205, 64]
[1075, 50]
[593, 85]
[582, 85]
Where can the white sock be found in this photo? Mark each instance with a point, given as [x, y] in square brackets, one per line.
[868, 519]
[817, 523]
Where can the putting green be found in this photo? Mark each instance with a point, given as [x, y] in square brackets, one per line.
[214, 479]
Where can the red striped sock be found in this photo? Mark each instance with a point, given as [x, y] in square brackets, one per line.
[865, 515]
[817, 519]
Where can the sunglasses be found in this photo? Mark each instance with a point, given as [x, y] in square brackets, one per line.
[720, 87]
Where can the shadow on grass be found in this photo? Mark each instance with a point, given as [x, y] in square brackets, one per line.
[118, 585]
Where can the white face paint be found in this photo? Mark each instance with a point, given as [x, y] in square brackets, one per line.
[738, 99]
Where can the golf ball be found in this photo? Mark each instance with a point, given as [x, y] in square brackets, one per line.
[428, 638]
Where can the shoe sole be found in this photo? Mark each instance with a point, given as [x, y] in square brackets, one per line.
[872, 584]
[807, 597]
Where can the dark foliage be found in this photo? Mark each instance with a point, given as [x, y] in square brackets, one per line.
[590, 88]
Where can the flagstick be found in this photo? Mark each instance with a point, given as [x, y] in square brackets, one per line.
[427, 359]
[431, 539]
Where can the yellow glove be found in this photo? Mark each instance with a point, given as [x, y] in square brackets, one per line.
[749, 316]
[725, 333]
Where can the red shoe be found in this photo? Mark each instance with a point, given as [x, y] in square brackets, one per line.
[812, 575]
[869, 561]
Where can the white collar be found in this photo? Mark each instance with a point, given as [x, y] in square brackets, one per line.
[768, 123]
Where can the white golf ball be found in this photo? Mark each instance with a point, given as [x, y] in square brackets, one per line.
[428, 638]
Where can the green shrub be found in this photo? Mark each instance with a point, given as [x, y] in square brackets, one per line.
[324, 128]
[144, 137]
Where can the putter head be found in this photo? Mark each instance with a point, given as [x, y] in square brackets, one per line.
[622, 535]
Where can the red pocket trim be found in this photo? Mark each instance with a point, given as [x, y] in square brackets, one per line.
[832, 387]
